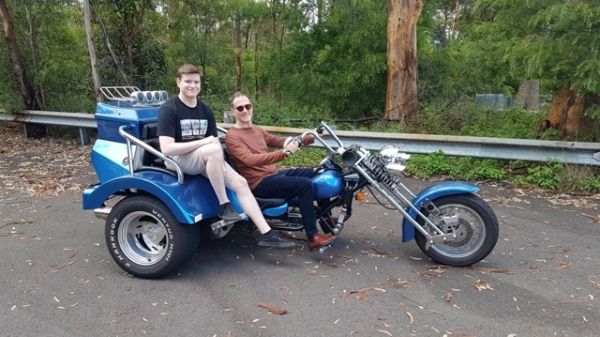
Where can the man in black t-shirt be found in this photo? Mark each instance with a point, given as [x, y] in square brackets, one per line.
[188, 134]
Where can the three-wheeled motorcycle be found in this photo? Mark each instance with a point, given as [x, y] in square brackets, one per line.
[155, 216]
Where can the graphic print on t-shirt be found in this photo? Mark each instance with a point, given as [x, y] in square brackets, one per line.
[193, 128]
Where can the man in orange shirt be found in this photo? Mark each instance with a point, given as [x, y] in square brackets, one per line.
[248, 146]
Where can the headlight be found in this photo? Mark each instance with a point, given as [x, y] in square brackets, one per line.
[394, 159]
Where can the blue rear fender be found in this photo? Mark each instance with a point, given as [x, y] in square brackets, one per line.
[430, 193]
[190, 202]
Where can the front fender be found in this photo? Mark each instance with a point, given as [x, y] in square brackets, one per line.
[430, 193]
[189, 202]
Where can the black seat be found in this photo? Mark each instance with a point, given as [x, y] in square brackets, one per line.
[265, 203]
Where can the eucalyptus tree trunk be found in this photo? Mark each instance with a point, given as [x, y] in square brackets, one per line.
[402, 99]
[237, 42]
[566, 112]
[87, 22]
[24, 85]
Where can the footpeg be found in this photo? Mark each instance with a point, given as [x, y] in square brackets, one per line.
[215, 226]
[324, 248]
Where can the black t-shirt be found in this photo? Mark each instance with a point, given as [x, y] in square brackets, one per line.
[185, 124]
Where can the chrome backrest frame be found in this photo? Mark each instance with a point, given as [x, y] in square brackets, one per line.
[131, 139]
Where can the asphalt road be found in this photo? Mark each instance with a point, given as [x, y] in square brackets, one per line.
[542, 279]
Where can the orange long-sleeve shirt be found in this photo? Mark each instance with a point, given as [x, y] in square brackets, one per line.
[249, 148]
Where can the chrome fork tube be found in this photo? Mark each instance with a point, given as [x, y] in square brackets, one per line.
[398, 207]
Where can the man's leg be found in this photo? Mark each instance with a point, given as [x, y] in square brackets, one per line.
[208, 161]
[288, 184]
[239, 185]
[212, 155]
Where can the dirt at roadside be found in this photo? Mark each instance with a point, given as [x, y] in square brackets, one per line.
[41, 167]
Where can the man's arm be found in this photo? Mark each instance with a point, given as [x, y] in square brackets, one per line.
[169, 147]
[272, 140]
[240, 153]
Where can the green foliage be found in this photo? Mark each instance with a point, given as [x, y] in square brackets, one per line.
[553, 175]
[305, 157]
[552, 40]
[438, 164]
[339, 64]
[546, 176]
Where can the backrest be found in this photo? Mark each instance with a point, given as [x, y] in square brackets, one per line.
[143, 158]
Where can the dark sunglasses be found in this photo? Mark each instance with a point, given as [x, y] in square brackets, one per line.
[241, 107]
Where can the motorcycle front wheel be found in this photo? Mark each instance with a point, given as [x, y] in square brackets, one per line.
[474, 223]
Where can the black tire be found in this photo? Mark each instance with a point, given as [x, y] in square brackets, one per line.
[146, 240]
[477, 231]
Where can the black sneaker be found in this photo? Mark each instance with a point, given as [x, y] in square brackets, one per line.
[228, 213]
[273, 239]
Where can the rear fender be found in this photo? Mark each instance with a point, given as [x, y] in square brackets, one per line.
[189, 202]
[433, 192]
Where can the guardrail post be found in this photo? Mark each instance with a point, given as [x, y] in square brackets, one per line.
[36, 131]
[84, 136]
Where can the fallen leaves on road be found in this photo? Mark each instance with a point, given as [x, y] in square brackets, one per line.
[272, 309]
[385, 332]
[481, 286]
[396, 283]
[564, 265]
[435, 271]
[362, 293]
[595, 218]
[575, 201]
[42, 167]
[485, 270]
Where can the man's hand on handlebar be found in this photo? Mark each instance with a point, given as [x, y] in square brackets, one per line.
[290, 148]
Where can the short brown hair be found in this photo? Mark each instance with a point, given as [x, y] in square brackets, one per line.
[236, 95]
[188, 69]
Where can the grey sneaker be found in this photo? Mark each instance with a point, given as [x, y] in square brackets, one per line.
[273, 239]
[228, 213]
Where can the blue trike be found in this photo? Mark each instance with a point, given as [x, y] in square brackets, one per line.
[155, 217]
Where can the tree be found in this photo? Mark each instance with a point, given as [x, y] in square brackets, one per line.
[556, 41]
[24, 84]
[87, 22]
[402, 96]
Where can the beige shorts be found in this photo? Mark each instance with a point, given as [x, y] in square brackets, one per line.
[192, 163]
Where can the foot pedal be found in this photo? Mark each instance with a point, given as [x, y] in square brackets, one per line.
[324, 248]
[215, 226]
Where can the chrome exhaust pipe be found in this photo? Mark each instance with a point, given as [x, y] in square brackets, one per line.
[102, 213]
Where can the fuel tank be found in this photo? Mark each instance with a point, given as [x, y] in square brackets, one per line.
[327, 184]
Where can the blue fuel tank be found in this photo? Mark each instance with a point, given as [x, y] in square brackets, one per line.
[327, 184]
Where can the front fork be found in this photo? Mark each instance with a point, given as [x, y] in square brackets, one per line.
[395, 198]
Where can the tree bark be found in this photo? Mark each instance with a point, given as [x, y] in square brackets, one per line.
[237, 42]
[87, 22]
[113, 55]
[25, 88]
[40, 100]
[566, 112]
[528, 96]
[402, 99]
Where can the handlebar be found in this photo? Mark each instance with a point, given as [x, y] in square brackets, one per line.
[319, 130]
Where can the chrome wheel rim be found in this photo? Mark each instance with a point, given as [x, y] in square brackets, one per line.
[470, 232]
[143, 238]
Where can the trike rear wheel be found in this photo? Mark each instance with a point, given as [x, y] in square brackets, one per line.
[146, 240]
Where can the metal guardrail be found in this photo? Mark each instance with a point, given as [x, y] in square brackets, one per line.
[481, 147]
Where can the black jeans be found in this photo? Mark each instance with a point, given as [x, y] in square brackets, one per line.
[290, 183]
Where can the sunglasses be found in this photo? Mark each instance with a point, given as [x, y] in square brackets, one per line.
[241, 107]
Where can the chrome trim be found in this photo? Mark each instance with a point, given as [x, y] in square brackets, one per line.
[103, 212]
[149, 148]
